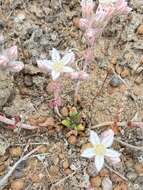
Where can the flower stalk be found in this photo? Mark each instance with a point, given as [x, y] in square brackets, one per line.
[93, 24]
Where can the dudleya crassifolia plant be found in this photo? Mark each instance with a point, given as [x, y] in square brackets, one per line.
[8, 60]
[93, 23]
[57, 66]
[101, 150]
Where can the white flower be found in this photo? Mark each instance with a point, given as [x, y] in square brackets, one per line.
[107, 2]
[101, 148]
[57, 65]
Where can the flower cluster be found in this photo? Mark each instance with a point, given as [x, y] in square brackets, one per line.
[8, 59]
[100, 149]
[94, 23]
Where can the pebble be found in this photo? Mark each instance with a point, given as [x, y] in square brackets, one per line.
[125, 73]
[95, 181]
[140, 30]
[72, 139]
[17, 185]
[28, 81]
[107, 184]
[115, 81]
[15, 151]
[121, 186]
[64, 112]
[65, 164]
[113, 60]
[104, 172]
[139, 168]
[131, 176]
[49, 122]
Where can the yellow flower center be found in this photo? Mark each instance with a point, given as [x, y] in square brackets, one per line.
[58, 66]
[100, 149]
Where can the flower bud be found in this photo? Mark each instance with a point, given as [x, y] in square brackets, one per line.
[83, 23]
[90, 36]
[12, 52]
[3, 61]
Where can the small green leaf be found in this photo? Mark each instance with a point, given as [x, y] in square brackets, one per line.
[66, 123]
[80, 127]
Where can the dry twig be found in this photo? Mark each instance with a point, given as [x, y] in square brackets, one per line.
[117, 173]
[4, 180]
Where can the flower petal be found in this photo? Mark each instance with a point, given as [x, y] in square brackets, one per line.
[88, 153]
[68, 58]
[15, 66]
[107, 138]
[55, 55]
[67, 69]
[94, 139]
[112, 153]
[114, 160]
[99, 162]
[55, 75]
[12, 52]
[45, 64]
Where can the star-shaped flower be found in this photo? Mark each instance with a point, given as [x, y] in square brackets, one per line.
[100, 148]
[57, 65]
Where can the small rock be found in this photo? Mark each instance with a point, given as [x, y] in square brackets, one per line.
[67, 171]
[17, 185]
[115, 81]
[121, 186]
[64, 111]
[113, 60]
[65, 164]
[104, 172]
[15, 151]
[131, 176]
[106, 184]
[125, 73]
[95, 181]
[72, 139]
[139, 168]
[49, 122]
[140, 30]
[28, 81]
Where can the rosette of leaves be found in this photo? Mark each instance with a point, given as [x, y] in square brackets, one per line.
[73, 121]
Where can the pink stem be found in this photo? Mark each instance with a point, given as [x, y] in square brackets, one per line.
[12, 122]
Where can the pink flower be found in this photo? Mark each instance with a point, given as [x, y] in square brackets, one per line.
[8, 60]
